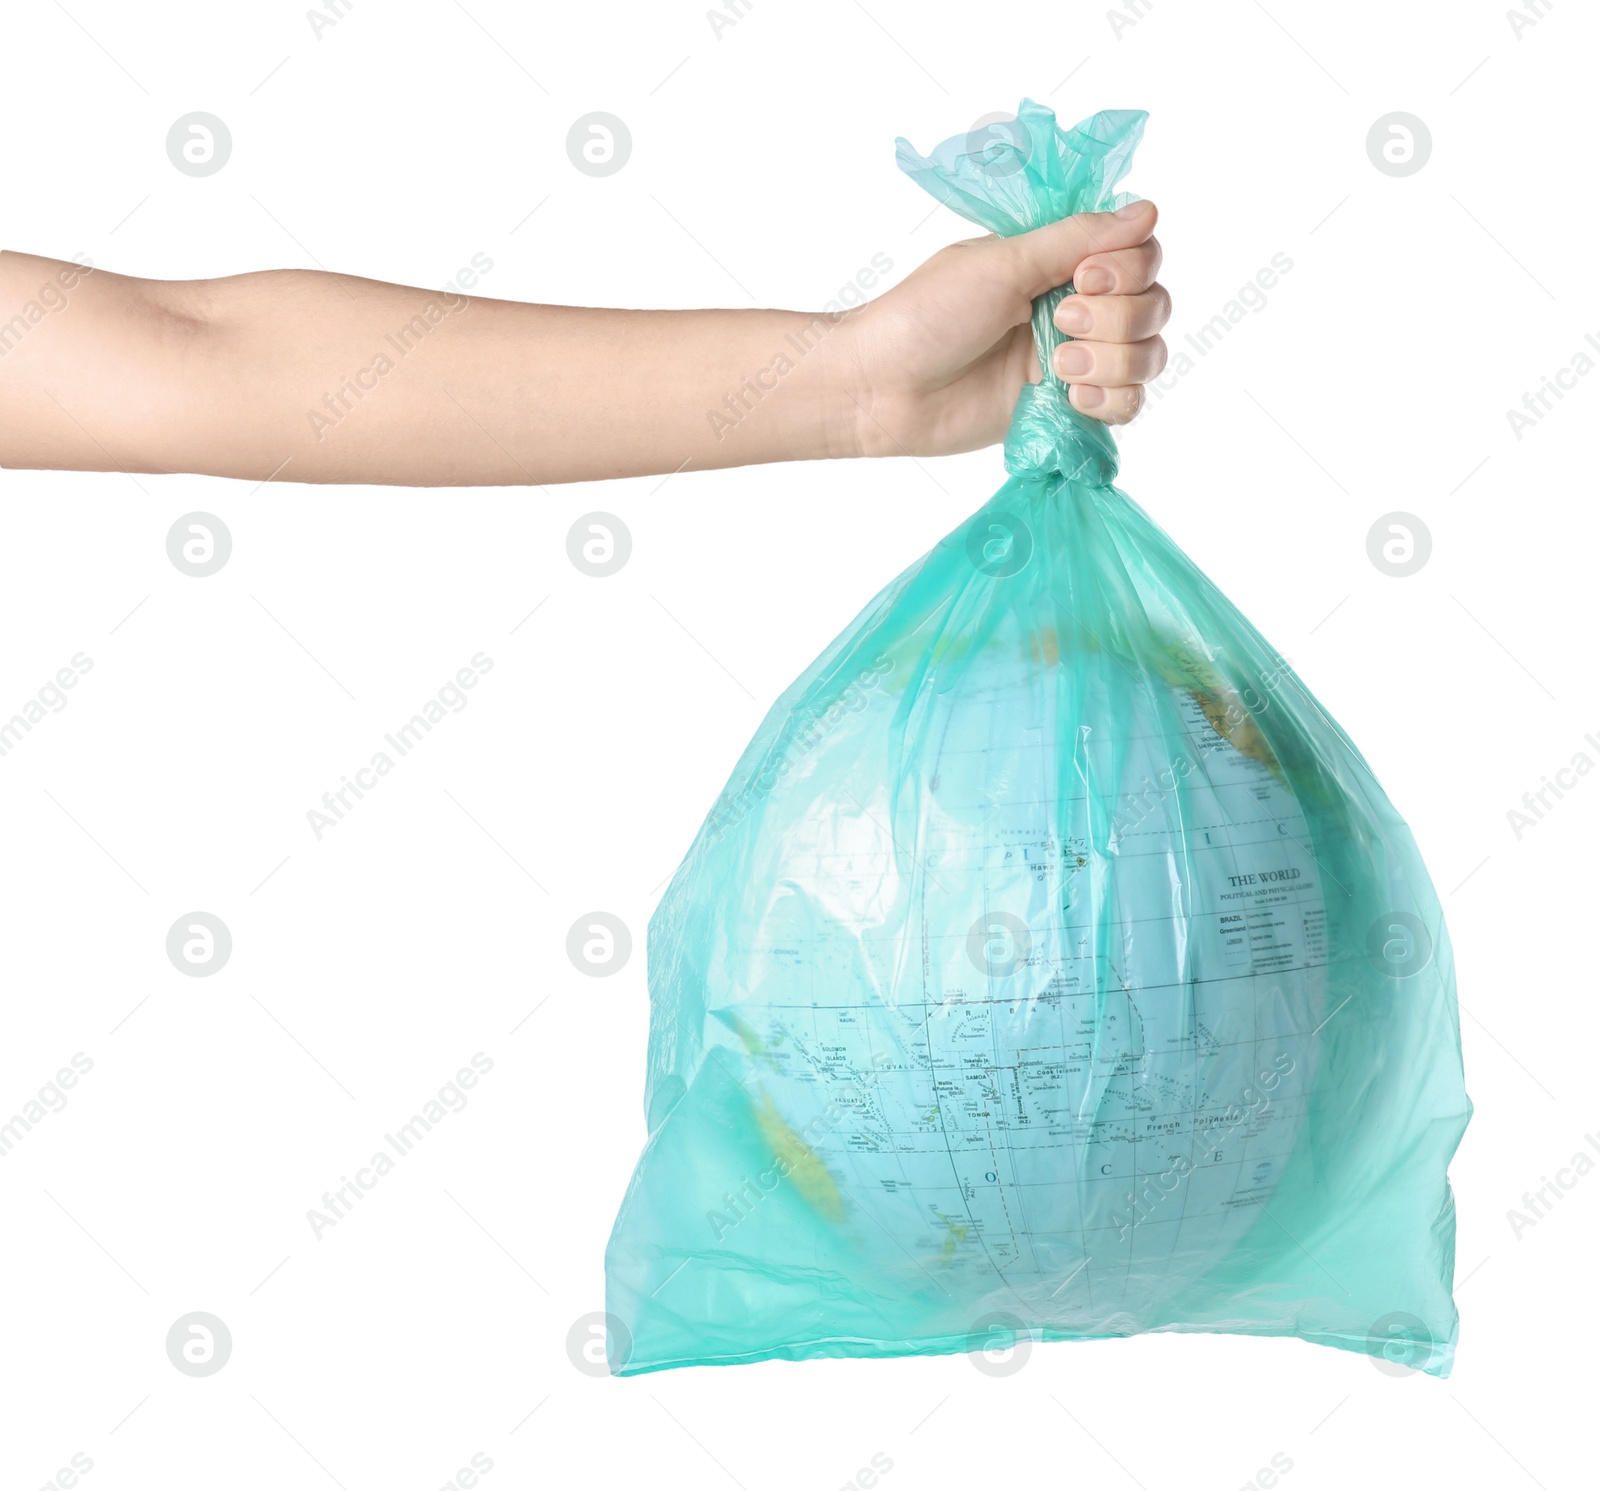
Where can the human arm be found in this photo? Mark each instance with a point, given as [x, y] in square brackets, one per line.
[321, 377]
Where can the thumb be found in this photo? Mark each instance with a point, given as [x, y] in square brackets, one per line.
[1049, 256]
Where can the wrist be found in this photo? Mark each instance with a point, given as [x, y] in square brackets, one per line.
[861, 400]
[822, 350]
[799, 394]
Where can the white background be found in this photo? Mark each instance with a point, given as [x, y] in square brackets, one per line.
[369, 966]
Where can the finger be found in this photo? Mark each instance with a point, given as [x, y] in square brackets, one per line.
[1109, 364]
[1115, 318]
[1112, 406]
[1126, 271]
[1050, 256]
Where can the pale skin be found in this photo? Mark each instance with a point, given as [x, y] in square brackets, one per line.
[282, 373]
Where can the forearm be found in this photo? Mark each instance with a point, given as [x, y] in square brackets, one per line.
[327, 378]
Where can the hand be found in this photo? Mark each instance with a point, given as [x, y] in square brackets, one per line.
[939, 360]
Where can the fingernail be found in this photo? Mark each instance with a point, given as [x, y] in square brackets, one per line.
[1087, 396]
[1073, 360]
[1133, 209]
[1072, 317]
[1093, 281]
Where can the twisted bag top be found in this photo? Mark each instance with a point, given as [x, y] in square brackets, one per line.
[1051, 966]
[1014, 177]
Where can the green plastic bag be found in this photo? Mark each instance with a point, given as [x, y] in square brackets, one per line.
[1052, 965]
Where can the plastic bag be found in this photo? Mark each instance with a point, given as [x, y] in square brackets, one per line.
[1052, 965]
